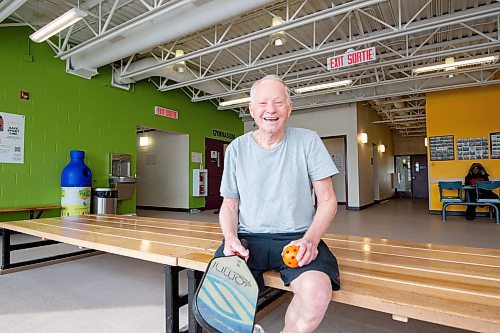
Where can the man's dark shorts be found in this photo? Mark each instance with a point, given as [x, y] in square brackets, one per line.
[265, 254]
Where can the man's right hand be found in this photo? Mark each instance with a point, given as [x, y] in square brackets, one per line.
[233, 246]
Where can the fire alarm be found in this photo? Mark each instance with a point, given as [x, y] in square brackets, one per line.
[24, 95]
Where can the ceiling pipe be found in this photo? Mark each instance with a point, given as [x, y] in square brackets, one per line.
[7, 7]
[174, 20]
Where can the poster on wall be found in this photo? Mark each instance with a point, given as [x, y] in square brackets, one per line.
[495, 145]
[11, 138]
[338, 160]
[472, 148]
[441, 148]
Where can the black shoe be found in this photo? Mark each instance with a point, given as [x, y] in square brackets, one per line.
[470, 218]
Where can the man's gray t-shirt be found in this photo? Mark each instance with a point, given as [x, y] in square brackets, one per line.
[274, 185]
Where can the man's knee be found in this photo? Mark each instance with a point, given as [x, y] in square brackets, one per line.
[314, 288]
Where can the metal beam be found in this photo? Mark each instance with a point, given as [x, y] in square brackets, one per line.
[327, 13]
[455, 18]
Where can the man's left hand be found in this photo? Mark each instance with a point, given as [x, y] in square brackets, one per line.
[308, 250]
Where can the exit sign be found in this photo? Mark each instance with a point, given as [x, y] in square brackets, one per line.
[351, 58]
[166, 112]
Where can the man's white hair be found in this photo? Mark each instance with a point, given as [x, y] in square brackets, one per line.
[272, 78]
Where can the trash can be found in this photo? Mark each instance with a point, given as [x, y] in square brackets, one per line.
[105, 200]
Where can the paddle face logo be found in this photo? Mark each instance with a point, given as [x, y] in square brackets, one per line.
[231, 275]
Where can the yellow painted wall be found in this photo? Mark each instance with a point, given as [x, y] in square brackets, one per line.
[464, 113]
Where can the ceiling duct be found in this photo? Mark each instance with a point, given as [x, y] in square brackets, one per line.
[161, 25]
[170, 73]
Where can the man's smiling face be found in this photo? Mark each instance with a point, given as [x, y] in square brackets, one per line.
[270, 107]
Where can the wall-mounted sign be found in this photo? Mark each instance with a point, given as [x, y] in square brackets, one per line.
[223, 134]
[24, 95]
[11, 138]
[196, 157]
[351, 58]
[166, 112]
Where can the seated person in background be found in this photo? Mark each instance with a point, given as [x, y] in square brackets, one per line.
[477, 173]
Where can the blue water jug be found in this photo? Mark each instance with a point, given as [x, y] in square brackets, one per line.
[76, 182]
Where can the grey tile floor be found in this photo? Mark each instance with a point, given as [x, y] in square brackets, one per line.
[109, 293]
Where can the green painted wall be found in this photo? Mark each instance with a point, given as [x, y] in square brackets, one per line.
[66, 112]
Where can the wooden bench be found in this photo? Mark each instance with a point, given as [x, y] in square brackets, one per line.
[449, 285]
[32, 210]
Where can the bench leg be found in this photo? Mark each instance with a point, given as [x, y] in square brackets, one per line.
[5, 249]
[194, 278]
[497, 213]
[443, 212]
[400, 318]
[172, 301]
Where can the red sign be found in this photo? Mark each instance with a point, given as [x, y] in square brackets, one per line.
[351, 58]
[166, 112]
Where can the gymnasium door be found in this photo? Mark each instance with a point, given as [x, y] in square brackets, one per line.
[214, 161]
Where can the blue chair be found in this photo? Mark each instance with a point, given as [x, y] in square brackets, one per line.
[449, 198]
[450, 186]
[488, 186]
[492, 202]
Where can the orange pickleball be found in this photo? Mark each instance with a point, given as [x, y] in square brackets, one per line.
[289, 256]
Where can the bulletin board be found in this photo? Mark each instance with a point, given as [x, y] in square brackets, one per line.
[441, 148]
[472, 148]
[495, 145]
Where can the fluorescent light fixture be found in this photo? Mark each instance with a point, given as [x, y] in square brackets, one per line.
[235, 101]
[62, 22]
[277, 38]
[363, 137]
[144, 141]
[7, 7]
[381, 148]
[180, 66]
[449, 61]
[456, 64]
[323, 86]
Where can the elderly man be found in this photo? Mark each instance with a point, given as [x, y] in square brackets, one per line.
[268, 177]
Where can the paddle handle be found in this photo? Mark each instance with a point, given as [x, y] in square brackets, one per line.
[244, 243]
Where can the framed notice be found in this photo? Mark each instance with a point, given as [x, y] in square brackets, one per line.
[441, 148]
[472, 148]
[11, 138]
[495, 145]
[338, 160]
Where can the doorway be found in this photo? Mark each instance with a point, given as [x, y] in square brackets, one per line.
[412, 176]
[163, 178]
[214, 162]
[337, 148]
[403, 176]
